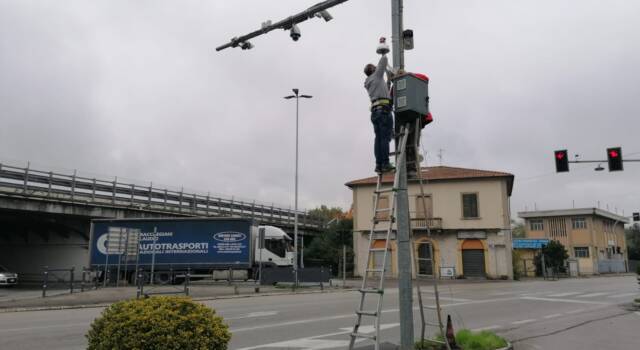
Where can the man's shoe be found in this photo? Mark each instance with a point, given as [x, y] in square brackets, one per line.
[387, 168]
[412, 174]
[378, 169]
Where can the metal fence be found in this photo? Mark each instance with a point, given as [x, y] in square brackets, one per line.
[611, 266]
[39, 184]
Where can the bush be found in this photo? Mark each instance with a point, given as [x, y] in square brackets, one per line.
[468, 340]
[158, 323]
[484, 340]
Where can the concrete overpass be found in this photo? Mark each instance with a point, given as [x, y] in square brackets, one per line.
[45, 215]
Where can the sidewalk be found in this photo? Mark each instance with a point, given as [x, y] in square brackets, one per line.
[32, 299]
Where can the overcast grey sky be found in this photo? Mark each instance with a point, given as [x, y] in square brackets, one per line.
[136, 89]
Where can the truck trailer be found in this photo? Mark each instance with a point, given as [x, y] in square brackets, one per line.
[204, 246]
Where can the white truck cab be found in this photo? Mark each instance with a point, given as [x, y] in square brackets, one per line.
[278, 247]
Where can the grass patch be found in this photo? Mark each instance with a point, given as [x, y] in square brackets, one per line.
[468, 340]
[637, 300]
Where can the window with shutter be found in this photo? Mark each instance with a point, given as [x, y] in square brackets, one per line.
[470, 205]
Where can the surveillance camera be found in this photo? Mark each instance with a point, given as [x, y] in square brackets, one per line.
[295, 33]
[324, 14]
[246, 45]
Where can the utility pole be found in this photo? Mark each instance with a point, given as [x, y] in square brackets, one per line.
[405, 284]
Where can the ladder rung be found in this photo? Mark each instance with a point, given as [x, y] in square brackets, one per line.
[367, 313]
[385, 190]
[375, 270]
[377, 249]
[363, 335]
[383, 210]
[371, 290]
[429, 307]
[432, 324]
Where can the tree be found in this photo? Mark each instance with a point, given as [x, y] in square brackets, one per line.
[517, 229]
[633, 241]
[554, 256]
[325, 249]
[325, 213]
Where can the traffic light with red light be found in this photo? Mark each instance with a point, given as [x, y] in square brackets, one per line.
[562, 161]
[614, 157]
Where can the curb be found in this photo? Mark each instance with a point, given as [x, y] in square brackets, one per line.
[508, 347]
[223, 297]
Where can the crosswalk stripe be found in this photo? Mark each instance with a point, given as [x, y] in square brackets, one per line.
[563, 294]
[591, 295]
[622, 295]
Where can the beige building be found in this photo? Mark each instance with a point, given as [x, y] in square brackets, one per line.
[467, 211]
[594, 237]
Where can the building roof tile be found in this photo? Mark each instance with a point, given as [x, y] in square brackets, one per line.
[442, 173]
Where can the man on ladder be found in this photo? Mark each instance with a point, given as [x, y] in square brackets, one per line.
[412, 112]
[378, 90]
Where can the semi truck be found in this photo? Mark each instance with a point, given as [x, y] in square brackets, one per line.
[207, 247]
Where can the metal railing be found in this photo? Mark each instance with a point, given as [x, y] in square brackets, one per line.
[49, 185]
[423, 223]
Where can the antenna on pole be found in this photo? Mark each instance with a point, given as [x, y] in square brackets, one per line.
[440, 155]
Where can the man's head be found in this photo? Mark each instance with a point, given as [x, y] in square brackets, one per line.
[369, 69]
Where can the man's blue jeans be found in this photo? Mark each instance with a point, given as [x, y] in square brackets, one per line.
[383, 127]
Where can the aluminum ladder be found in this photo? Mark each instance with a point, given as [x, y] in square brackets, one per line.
[369, 272]
[437, 323]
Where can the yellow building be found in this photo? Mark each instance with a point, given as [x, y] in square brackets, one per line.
[594, 237]
[467, 211]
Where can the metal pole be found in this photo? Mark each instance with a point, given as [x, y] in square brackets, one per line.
[44, 281]
[405, 289]
[344, 266]
[72, 272]
[302, 250]
[295, 223]
[396, 34]
[153, 255]
[261, 246]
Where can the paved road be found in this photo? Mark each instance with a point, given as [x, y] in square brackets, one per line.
[567, 314]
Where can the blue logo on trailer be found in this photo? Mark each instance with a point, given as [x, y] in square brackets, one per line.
[172, 242]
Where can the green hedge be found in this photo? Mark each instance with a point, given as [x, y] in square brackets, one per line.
[158, 323]
[468, 340]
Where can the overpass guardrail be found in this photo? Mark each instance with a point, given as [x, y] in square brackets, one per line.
[55, 186]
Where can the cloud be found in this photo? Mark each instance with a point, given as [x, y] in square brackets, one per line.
[135, 89]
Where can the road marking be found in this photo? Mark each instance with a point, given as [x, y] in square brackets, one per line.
[566, 300]
[552, 316]
[563, 294]
[252, 315]
[487, 328]
[622, 295]
[86, 324]
[289, 323]
[524, 321]
[337, 317]
[312, 343]
[504, 293]
[482, 301]
[575, 311]
[591, 295]
[447, 298]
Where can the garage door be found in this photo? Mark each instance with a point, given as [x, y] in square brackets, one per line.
[473, 262]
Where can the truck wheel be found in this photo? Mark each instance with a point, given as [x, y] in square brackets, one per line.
[162, 278]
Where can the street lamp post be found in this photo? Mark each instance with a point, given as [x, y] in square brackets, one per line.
[297, 96]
